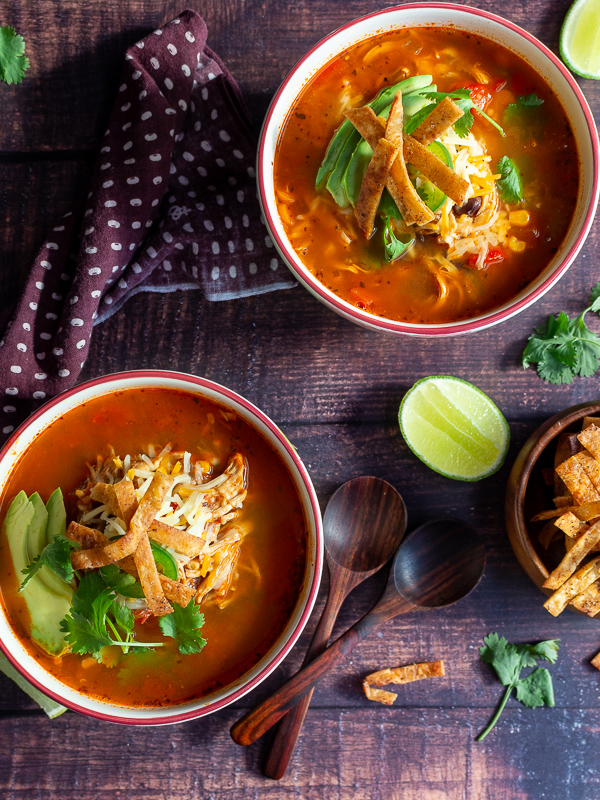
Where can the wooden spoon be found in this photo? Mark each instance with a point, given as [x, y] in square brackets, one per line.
[438, 564]
[364, 523]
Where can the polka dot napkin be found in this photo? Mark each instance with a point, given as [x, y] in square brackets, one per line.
[172, 205]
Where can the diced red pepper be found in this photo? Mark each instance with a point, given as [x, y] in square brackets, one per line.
[493, 255]
[480, 95]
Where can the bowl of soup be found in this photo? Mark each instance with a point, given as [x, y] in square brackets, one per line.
[161, 547]
[429, 169]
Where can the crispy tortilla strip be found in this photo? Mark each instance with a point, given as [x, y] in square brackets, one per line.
[588, 601]
[119, 497]
[569, 524]
[573, 558]
[590, 439]
[439, 120]
[373, 185]
[149, 578]
[591, 467]
[587, 421]
[577, 481]
[552, 513]
[172, 537]
[379, 695]
[576, 584]
[436, 171]
[140, 522]
[394, 127]
[408, 673]
[547, 534]
[413, 209]
[563, 500]
[179, 593]
[567, 445]
[595, 662]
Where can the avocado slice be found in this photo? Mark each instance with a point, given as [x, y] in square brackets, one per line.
[46, 607]
[37, 540]
[57, 516]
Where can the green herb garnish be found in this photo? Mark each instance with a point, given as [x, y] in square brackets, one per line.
[462, 98]
[524, 109]
[510, 184]
[393, 246]
[182, 625]
[563, 348]
[508, 661]
[57, 557]
[12, 61]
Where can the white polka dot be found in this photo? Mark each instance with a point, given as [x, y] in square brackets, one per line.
[26, 326]
[136, 225]
[39, 285]
[151, 252]
[135, 202]
[129, 161]
[208, 225]
[251, 172]
[182, 105]
[211, 76]
[88, 211]
[205, 93]
[140, 44]
[200, 206]
[188, 156]
[274, 264]
[126, 127]
[40, 356]
[64, 373]
[51, 316]
[126, 107]
[51, 245]
[96, 293]
[91, 250]
[190, 36]
[240, 196]
[155, 157]
[113, 223]
[214, 273]
[172, 49]
[22, 347]
[33, 306]
[127, 145]
[172, 170]
[157, 180]
[116, 246]
[168, 83]
[16, 369]
[158, 32]
[167, 266]
[146, 115]
[268, 241]
[8, 429]
[170, 111]
[58, 351]
[136, 268]
[249, 245]
[202, 171]
[228, 222]
[122, 284]
[80, 344]
[110, 204]
[114, 269]
[56, 296]
[94, 271]
[108, 301]
[214, 113]
[220, 200]
[205, 146]
[186, 70]
[76, 322]
[183, 180]
[252, 268]
[39, 395]
[150, 137]
[195, 248]
[105, 166]
[215, 248]
[225, 136]
[11, 390]
[187, 227]
[230, 246]
[167, 237]
[154, 63]
[155, 202]
[136, 75]
[232, 271]
[245, 221]
[59, 228]
[9, 409]
[149, 223]
[142, 94]
[46, 264]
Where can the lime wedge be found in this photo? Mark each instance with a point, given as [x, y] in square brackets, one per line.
[454, 428]
[580, 39]
[51, 707]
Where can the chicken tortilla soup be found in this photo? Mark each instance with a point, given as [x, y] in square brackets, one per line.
[426, 175]
[153, 547]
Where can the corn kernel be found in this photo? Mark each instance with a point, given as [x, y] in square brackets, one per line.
[516, 245]
[520, 217]
[131, 474]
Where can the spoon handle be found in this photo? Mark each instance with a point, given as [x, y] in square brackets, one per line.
[258, 721]
[284, 742]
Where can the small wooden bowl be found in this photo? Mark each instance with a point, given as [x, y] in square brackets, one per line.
[527, 493]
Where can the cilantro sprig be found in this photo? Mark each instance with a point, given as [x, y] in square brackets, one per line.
[508, 661]
[57, 557]
[462, 98]
[509, 184]
[13, 62]
[563, 348]
[525, 111]
[393, 247]
[183, 626]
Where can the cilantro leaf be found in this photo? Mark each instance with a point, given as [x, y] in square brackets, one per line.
[563, 348]
[462, 98]
[123, 616]
[394, 247]
[183, 626]
[416, 119]
[508, 660]
[119, 580]
[83, 636]
[525, 112]
[12, 61]
[536, 689]
[510, 184]
[57, 557]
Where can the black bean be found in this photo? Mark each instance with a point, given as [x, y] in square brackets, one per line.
[471, 208]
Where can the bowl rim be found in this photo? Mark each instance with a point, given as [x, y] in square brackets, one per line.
[314, 579]
[492, 317]
[518, 483]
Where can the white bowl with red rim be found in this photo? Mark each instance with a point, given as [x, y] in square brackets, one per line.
[477, 22]
[60, 406]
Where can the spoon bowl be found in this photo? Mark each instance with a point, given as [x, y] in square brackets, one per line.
[438, 564]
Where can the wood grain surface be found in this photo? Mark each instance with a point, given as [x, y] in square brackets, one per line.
[334, 389]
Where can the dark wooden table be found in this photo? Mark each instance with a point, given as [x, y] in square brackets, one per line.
[334, 389]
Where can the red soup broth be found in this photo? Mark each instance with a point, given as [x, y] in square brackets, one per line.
[404, 290]
[238, 635]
